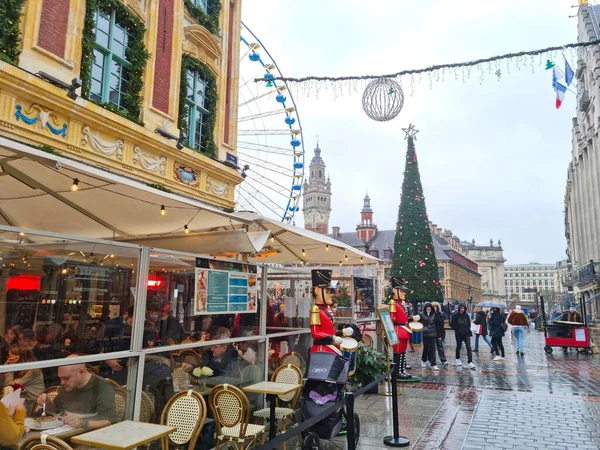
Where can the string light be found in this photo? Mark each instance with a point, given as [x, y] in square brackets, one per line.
[303, 252]
[163, 210]
[272, 239]
[340, 263]
[186, 229]
[327, 247]
[75, 185]
[345, 257]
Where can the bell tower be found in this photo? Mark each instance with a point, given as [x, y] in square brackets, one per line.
[317, 196]
[366, 230]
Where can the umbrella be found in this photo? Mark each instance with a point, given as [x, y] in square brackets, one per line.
[490, 304]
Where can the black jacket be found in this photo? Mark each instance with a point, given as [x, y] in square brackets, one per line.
[169, 328]
[480, 319]
[461, 323]
[439, 325]
[495, 323]
[226, 367]
[428, 321]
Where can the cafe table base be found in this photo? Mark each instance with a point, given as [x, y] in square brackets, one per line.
[123, 435]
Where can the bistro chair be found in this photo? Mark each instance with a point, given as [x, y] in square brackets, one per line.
[186, 411]
[367, 340]
[120, 403]
[44, 442]
[292, 358]
[190, 357]
[93, 369]
[188, 340]
[146, 408]
[285, 374]
[51, 394]
[114, 384]
[231, 410]
[180, 379]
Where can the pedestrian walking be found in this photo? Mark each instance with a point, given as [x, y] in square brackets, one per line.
[497, 326]
[461, 324]
[439, 341]
[518, 320]
[481, 319]
[427, 318]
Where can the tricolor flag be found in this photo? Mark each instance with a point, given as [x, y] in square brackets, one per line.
[556, 76]
[569, 74]
[560, 93]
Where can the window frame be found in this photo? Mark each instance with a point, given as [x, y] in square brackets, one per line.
[193, 114]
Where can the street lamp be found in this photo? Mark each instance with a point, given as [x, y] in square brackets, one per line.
[470, 299]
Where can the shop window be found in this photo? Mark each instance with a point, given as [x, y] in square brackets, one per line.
[110, 68]
[197, 113]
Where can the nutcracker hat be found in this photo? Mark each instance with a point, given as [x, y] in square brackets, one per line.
[321, 278]
[398, 283]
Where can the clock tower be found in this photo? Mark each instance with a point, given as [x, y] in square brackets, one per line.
[317, 196]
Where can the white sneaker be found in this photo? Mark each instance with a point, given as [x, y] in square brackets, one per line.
[472, 366]
[445, 364]
[458, 362]
[423, 365]
[498, 358]
[435, 368]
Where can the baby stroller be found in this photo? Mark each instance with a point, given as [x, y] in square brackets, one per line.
[327, 374]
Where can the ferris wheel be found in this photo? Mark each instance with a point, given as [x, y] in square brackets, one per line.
[270, 143]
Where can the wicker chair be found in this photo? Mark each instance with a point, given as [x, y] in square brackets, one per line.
[93, 369]
[120, 404]
[190, 357]
[284, 374]
[180, 377]
[292, 358]
[44, 442]
[114, 384]
[231, 411]
[186, 411]
[147, 408]
[367, 340]
[188, 340]
[51, 394]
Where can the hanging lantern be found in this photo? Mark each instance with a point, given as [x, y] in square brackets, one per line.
[383, 99]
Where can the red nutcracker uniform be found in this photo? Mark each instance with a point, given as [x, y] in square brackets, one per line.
[321, 318]
[401, 325]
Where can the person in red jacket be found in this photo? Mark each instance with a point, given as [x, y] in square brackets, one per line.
[400, 319]
[321, 318]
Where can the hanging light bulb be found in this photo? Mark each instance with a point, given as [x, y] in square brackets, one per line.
[327, 247]
[361, 259]
[345, 257]
[75, 185]
[303, 252]
[186, 229]
[340, 263]
[163, 210]
[272, 239]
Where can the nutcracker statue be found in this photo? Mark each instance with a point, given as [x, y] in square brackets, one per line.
[398, 314]
[321, 318]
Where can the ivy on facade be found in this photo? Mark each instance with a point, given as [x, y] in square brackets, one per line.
[210, 103]
[10, 34]
[210, 19]
[136, 54]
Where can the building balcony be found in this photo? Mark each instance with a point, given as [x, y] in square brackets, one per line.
[38, 113]
[582, 274]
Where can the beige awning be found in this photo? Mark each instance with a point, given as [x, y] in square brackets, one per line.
[36, 194]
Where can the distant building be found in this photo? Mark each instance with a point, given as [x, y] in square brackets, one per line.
[458, 274]
[490, 261]
[519, 278]
[317, 196]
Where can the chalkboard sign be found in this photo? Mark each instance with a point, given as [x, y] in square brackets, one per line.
[388, 325]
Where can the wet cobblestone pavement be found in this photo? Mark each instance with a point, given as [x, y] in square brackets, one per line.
[537, 401]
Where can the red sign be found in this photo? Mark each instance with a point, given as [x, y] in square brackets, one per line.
[154, 283]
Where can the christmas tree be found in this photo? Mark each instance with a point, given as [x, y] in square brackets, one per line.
[414, 255]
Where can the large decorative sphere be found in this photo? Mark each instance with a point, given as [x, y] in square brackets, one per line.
[383, 99]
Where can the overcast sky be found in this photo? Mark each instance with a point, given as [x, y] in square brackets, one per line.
[493, 155]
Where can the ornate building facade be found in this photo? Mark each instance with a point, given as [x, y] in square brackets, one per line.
[582, 202]
[142, 88]
[317, 196]
[490, 262]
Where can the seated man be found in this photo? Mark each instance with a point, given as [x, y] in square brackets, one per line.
[84, 399]
[223, 359]
[570, 316]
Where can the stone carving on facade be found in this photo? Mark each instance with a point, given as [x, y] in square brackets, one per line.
[137, 8]
[101, 146]
[185, 175]
[149, 161]
[203, 46]
[44, 118]
[219, 189]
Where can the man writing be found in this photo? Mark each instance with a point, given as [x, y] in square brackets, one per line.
[85, 400]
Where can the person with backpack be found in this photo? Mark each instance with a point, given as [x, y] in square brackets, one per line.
[461, 324]
[497, 325]
[481, 319]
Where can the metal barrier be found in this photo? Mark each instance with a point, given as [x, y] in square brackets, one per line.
[349, 401]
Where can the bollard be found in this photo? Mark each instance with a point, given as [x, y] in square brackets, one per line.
[350, 435]
[396, 440]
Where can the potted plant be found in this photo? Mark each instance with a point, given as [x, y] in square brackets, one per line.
[370, 365]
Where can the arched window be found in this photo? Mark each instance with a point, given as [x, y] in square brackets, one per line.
[320, 173]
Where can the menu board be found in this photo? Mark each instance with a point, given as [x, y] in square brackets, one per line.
[223, 291]
[388, 325]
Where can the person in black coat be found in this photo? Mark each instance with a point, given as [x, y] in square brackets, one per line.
[441, 333]
[497, 325]
[427, 318]
[461, 324]
[481, 319]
